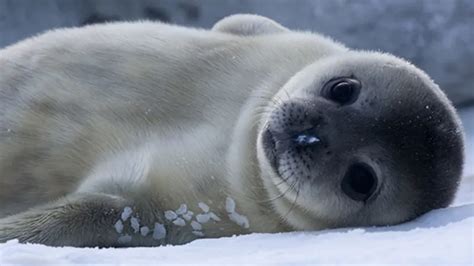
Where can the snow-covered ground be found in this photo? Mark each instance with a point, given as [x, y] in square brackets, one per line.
[440, 237]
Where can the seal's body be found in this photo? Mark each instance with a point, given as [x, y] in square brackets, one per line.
[146, 134]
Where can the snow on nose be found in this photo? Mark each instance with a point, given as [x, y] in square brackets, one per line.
[306, 139]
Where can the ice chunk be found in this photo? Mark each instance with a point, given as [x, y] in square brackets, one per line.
[229, 205]
[188, 216]
[239, 219]
[124, 239]
[144, 230]
[214, 217]
[204, 207]
[203, 217]
[182, 209]
[179, 222]
[170, 215]
[196, 226]
[119, 226]
[127, 211]
[198, 233]
[135, 224]
[159, 232]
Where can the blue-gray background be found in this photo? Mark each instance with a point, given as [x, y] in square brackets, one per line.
[436, 35]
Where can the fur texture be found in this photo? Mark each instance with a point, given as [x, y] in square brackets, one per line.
[105, 129]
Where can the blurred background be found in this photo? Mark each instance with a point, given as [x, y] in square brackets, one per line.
[436, 35]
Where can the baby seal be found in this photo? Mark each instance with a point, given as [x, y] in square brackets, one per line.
[143, 134]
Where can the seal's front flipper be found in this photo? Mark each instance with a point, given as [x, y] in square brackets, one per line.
[248, 25]
[84, 220]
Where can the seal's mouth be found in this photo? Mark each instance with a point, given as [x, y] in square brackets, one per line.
[269, 147]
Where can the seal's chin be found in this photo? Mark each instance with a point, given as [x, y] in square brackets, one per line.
[269, 147]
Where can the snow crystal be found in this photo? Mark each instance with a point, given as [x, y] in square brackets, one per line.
[214, 217]
[159, 232]
[118, 226]
[203, 217]
[196, 226]
[170, 215]
[188, 216]
[135, 224]
[239, 219]
[305, 139]
[127, 211]
[233, 215]
[229, 205]
[144, 230]
[198, 233]
[179, 222]
[204, 207]
[124, 239]
[182, 209]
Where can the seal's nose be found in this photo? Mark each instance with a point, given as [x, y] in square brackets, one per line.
[306, 139]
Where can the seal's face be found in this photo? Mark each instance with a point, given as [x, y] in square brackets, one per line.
[361, 139]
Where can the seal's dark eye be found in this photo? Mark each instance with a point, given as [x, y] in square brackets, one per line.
[342, 90]
[359, 183]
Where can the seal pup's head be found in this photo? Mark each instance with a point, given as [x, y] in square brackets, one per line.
[359, 139]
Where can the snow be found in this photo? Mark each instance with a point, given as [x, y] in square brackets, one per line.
[196, 226]
[203, 218]
[170, 215]
[443, 236]
[127, 211]
[203, 206]
[183, 208]
[159, 231]
[119, 226]
[179, 222]
[144, 230]
[135, 224]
